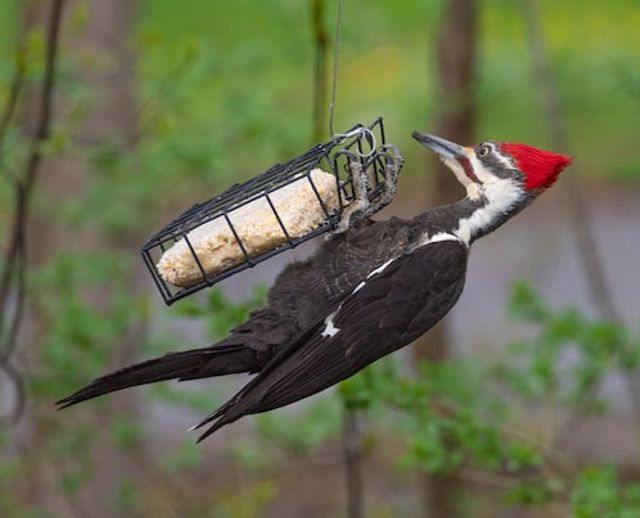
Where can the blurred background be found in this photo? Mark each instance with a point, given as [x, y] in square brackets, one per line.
[116, 115]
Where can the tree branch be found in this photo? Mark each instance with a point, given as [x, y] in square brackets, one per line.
[14, 95]
[15, 260]
[352, 453]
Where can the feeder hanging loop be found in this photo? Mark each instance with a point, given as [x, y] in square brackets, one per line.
[365, 132]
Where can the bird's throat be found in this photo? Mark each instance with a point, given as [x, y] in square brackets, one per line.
[471, 217]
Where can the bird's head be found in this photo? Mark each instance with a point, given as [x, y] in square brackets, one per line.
[499, 169]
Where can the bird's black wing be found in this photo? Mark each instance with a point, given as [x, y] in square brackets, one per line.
[396, 304]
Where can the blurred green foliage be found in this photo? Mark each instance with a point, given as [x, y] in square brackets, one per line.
[223, 91]
[81, 328]
[596, 348]
[248, 503]
[458, 415]
[254, 85]
[599, 492]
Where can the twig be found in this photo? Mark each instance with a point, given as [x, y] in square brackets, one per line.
[24, 186]
[151, 107]
[16, 379]
[14, 94]
[15, 263]
[148, 111]
[5, 122]
[18, 313]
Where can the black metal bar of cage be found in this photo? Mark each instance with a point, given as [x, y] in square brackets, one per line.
[247, 257]
[278, 218]
[185, 236]
[315, 191]
[333, 156]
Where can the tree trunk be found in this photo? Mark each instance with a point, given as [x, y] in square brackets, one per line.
[456, 58]
[352, 451]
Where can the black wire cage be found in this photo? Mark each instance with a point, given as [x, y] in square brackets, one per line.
[364, 144]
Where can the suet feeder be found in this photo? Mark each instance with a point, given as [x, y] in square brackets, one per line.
[275, 211]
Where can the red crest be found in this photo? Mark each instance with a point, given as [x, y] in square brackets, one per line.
[540, 168]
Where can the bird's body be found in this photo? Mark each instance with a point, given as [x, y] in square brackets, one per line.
[364, 294]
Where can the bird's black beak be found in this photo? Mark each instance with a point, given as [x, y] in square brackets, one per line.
[443, 147]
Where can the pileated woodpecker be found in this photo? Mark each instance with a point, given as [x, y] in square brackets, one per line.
[367, 291]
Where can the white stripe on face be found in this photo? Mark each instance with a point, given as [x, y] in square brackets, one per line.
[501, 194]
[506, 161]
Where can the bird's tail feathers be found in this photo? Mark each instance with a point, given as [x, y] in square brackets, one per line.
[253, 391]
[187, 365]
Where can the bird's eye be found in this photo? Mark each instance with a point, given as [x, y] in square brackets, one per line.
[484, 150]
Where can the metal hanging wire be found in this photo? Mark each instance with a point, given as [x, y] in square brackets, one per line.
[364, 131]
[334, 79]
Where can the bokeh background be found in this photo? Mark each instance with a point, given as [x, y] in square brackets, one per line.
[525, 402]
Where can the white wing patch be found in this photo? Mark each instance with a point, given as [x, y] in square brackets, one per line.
[501, 194]
[380, 269]
[440, 236]
[359, 287]
[330, 330]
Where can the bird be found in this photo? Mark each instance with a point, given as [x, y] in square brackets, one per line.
[365, 293]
